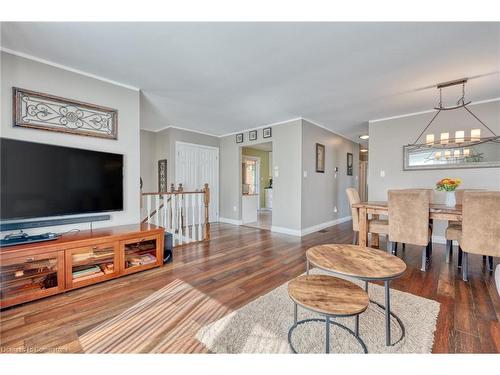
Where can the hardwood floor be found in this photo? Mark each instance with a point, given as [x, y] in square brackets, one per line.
[236, 266]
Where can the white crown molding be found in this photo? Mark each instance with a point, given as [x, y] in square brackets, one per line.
[327, 129]
[67, 68]
[223, 135]
[184, 129]
[426, 111]
[286, 121]
[260, 127]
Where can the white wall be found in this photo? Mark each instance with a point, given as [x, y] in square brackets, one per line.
[287, 186]
[386, 152]
[31, 75]
[161, 145]
[322, 192]
[287, 154]
[300, 204]
[149, 162]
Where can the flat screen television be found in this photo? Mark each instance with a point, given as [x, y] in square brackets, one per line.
[40, 180]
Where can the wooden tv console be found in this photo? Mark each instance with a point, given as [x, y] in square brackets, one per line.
[36, 270]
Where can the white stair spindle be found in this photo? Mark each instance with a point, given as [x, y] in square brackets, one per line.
[148, 207]
[200, 216]
[193, 222]
[157, 215]
[170, 215]
[186, 217]
[165, 211]
[179, 205]
[174, 219]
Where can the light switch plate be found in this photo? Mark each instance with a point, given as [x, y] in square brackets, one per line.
[382, 173]
[305, 174]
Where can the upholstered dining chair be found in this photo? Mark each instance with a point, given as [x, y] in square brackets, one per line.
[454, 230]
[480, 226]
[409, 220]
[430, 192]
[374, 225]
[497, 278]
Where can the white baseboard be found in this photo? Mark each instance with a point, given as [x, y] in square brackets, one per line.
[438, 239]
[309, 230]
[229, 221]
[441, 239]
[291, 232]
[324, 225]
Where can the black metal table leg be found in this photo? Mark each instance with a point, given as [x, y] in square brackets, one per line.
[387, 314]
[327, 333]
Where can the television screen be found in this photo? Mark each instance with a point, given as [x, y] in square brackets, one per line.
[39, 180]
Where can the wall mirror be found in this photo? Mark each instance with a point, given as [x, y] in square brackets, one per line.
[479, 155]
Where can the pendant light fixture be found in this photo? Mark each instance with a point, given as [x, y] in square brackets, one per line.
[457, 143]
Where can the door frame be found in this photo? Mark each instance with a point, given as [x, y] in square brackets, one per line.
[217, 178]
[257, 178]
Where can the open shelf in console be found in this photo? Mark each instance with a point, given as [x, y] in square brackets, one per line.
[31, 276]
[140, 254]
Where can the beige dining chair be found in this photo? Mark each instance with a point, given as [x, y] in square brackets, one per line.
[374, 225]
[430, 192]
[409, 221]
[480, 226]
[454, 230]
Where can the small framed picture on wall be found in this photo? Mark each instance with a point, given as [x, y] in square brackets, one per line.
[252, 136]
[267, 133]
[239, 138]
[349, 164]
[162, 176]
[320, 158]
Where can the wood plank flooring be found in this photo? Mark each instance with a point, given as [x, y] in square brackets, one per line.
[238, 265]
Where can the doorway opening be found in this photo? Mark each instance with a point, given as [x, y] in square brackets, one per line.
[257, 185]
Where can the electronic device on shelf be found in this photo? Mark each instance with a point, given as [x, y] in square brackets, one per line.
[23, 238]
[168, 252]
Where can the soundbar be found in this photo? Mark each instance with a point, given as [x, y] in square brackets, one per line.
[51, 222]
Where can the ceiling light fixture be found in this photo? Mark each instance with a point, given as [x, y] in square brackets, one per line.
[364, 136]
[363, 150]
[445, 140]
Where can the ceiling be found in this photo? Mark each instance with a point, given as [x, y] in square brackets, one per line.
[221, 78]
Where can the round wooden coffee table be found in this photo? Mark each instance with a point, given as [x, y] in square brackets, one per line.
[328, 296]
[363, 263]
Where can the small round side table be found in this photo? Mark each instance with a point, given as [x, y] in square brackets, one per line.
[363, 263]
[330, 297]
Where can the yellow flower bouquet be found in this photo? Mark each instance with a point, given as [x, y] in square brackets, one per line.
[448, 184]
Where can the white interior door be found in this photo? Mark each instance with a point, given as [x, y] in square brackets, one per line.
[196, 165]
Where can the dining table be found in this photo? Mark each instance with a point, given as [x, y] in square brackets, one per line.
[436, 212]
